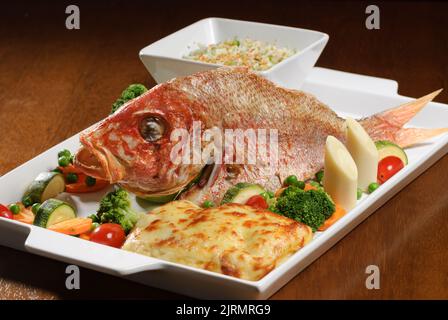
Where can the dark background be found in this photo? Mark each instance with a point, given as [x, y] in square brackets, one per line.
[55, 82]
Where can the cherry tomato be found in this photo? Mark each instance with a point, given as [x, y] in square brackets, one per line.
[109, 234]
[5, 212]
[257, 202]
[387, 167]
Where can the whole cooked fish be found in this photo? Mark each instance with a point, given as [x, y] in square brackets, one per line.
[134, 146]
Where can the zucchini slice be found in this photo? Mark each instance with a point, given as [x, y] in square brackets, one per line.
[241, 192]
[46, 185]
[160, 199]
[388, 148]
[53, 211]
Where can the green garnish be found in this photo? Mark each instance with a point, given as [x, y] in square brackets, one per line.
[71, 177]
[358, 194]
[63, 161]
[131, 92]
[27, 201]
[90, 181]
[267, 195]
[310, 207]
[315, 184]
[208, 204]
[14, 208]
[35, 207]
[115, 207]
[94, 226]
[320, 176]
[373, 186]
[293, 181]
[64, 153]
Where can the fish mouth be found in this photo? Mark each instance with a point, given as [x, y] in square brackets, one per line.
[99, 163]
[200, 183]
[150, 194]
[197, 190]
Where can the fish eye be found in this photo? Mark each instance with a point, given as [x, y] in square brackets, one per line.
[152, 128]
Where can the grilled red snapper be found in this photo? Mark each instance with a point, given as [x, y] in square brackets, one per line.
[132, 147]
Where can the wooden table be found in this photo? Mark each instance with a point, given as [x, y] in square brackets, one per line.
[55, 82]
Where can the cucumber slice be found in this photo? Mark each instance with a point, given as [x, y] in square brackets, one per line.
[241, 192]
[53, 211]
[387, 148]
[160, 199]
[46, 185]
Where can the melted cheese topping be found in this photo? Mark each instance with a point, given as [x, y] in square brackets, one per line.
[233, 239]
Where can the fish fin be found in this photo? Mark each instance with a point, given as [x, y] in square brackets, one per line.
[406, 137]
[388, 125]
[400, 115]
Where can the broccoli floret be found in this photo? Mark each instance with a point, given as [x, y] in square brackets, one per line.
[272, 203]
[310, 207]
[115, 207]
[131, 92]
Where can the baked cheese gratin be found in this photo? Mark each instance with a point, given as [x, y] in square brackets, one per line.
[233, 239]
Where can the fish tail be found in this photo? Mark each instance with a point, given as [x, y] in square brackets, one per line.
[388, 125]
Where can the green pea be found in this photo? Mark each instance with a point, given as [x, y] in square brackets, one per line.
[72, 159]
[208, 204]
[64, 161]
[373, 186]
[64, 153]
[267, 195]
[90, 181]
[300, 184]
[27, 201]
[315, 184]
[57, 170]
[35, 207]
[358, 194]
[94, 226]
[71, 177]
[14, 208]
[320, 176]
[291, 180]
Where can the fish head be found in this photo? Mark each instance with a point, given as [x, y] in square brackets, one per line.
[133, 146]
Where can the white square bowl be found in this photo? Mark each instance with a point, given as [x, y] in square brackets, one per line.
[164, 58]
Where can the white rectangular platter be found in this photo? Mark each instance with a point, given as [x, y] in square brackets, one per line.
[347, 94]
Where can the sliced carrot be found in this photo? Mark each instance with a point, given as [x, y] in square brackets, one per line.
[337, 214]
[81, 187]
[279, 192]
[73, 226]
[85, 236]
[25, 215]
[69, 169]
[309, 187]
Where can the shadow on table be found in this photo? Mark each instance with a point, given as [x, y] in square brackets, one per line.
[26, 276]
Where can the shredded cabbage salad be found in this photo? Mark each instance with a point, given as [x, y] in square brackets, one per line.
[257, 55]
